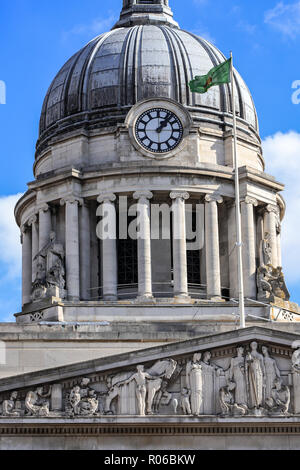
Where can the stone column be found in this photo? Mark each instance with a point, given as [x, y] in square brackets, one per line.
[213, 273]
[85, 252]
[33, 223]
[249, 246]
[179, 243]
[270, 222]
[144, 244]
[108, 236]
[26, 264]
[44, 226]
[72, 247]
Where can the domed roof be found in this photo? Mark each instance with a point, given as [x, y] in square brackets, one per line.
[146, 55]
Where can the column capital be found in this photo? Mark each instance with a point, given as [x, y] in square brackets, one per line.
[106, 197]
[272, 208]
[140, 195]
[24, 228]
[214, 198]
[43, 208]
[32, 220]
[71, 200]
[179, 195]
[250, 200]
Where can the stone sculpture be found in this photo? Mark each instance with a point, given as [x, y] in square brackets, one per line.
[9, 407]
[36, 403]
[280, 399]
[194, 383]
[146, 385]
[266, 250]
[271, 372]
[255, 372]
[185, 401]
[237, 374]
[271, 284]
[83, 400]
[50, 278]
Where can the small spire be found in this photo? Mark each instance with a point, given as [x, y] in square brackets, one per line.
[139, 12]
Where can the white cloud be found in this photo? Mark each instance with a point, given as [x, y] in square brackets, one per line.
[282, 155]
[285, 18]
[94, 28]
[10, 247]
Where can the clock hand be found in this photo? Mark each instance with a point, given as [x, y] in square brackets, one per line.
[163, 124]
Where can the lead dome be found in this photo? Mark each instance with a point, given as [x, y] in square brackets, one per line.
[145, 55]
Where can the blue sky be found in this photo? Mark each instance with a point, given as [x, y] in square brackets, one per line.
[36, 39]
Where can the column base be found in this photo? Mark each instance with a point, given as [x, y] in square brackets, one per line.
[148, 298]
[215, 298]
[182, 298]
[110, 298]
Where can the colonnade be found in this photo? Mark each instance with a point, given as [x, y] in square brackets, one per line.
[36, 234]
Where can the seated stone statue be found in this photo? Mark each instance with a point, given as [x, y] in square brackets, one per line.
[36, 403]
[279, 402]
[9, 406]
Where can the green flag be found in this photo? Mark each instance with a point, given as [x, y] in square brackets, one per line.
[216, 76]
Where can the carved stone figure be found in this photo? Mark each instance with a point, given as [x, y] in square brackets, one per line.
[36, 403]
[296, 375]
[211, 380]
[271, 284]
[50, 270]
[266, 250]
[83, 400]
[280, 399]
[141, 388]
[255, 369]
[185, 401]
[227, 399]
[194, 383]
[9, 407]
[146, 384]
[237, 374]
[271, 370]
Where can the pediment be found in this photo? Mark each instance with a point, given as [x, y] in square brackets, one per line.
[221, 376]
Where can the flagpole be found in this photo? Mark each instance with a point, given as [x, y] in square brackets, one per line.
[239, 244]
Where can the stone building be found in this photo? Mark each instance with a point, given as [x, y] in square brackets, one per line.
[131, 326]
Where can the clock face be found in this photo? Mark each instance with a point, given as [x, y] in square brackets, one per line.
[159, 130]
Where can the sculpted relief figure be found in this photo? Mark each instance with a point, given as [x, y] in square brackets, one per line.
[9, 406]
[279, 401]
[271, 372]
[36, 403]
[147, 384]
[266, 250]
[237, 374]
[194, 383]
[255, 369]
[50, 269]
[83, 400]
[185, 401]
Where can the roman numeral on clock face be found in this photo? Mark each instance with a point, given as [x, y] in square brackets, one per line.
[158, 130]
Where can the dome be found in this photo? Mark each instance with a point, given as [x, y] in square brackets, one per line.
[146, 55]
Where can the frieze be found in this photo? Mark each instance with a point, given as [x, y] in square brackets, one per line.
[248, 380]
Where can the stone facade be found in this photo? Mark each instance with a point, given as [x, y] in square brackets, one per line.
[136, 333]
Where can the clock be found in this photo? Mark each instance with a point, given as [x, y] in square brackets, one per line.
[158, 130]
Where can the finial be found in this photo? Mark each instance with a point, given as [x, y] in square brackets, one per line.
[140, 12]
